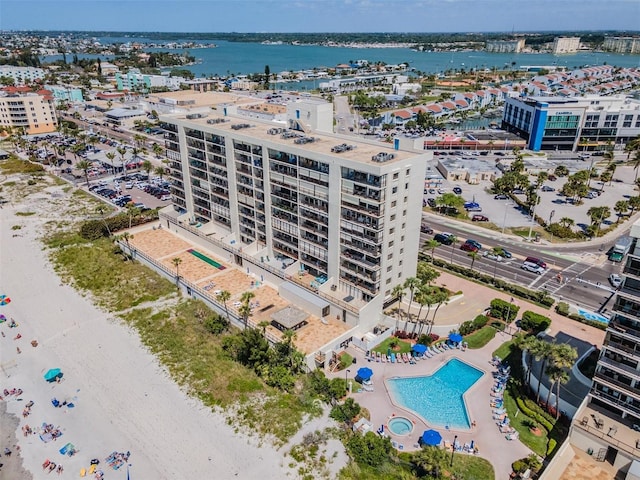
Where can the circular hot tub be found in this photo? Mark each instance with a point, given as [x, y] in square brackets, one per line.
[400, 426]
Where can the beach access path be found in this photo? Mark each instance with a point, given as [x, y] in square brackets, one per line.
[124, 400]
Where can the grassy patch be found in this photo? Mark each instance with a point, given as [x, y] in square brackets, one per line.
[115, 283]
[472, 468]
[504, 350]
[16, 165]
[480, 338]
[24, 214]
[402, 346]
[522, 424]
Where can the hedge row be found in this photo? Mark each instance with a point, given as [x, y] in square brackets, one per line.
[522, 292]
[94, 229]
[551, 446]
[471, 326]
[562, 308]
[538, 417]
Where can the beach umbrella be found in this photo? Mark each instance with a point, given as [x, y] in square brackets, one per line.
[52, 374]
[431, 437]
[2, 318]
[4, 300]
[419, 348]
[455, 337]
[365, 373]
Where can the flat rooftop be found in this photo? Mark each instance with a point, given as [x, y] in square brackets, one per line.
[323, 142]
[191, 99]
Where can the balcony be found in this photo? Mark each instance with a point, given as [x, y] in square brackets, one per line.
[360, 259]
[358, 271]
[359, 283]
[621, 367]
[315, 228]
[315, 239]
[371, 250]
[624, 349]
[617, 384]
[374, 211]
[626, 328]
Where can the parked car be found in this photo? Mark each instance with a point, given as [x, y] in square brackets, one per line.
[472, 207]
[167, 197]
[443, 238]
[431, 202]
[457, 190]
[504, 253]
[479, 218]
[518, 191]
[547, 188]
[537, 261]
[475, 243]
[500, 196]
[426, 229]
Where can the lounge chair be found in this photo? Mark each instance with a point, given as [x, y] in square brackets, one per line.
[378, 357]
[393, 358]
[384, 358]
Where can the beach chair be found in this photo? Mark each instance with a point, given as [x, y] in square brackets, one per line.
[378, 359]
[83, 472]
[384, 358]
[393, 358]
[92, 469]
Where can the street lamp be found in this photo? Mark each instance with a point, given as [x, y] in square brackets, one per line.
[504, 220]
[453, 449]
[346, 373]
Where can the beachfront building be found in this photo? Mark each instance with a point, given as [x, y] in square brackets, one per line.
[573, 123]
[515, 45]
[621, 44]
[65, 93]
[22, 108]
[607, 425]
[303, 205]
[134, 81]
[562, 45]
[22, 75]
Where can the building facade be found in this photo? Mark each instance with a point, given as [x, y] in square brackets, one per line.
[573, 123]
[622, 44]
[348, 215]
[134, 81]
[505, 46]
[608, 423]
[565, 45]
[22, 75]
[34, 112]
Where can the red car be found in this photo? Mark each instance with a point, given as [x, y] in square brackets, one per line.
[479, 218]
[468, 247]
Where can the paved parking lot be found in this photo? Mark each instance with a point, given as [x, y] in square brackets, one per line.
[505, 213]
[137, 195]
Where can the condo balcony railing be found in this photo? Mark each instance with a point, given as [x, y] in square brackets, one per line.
[623, 368]
[614, 401]
[624, 327]
[621, 385]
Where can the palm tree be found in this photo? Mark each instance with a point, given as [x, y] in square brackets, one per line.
[567, 222]
[543, 353]
[84, 165]
[223, 296]
[621, 208]
[159, 171]
[432, 245]
[636, 163]
[126, 236]
[176, 263]
[553, 373]
[111, 156]
[529, 344]
[473, 256]
[147, 166]
[561, 377]
[398, 293]
[454, 242]
[139, 139]
[132, 211]
[101, 210]
[157, 150]
[597, 215]
[438, 299]
[412, 283]
[245, 312]
[122, 151]
[634, 204]
[263, 325]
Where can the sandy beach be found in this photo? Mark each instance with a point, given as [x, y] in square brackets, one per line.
[123, 399]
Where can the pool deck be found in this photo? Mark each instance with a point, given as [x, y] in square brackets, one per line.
[491, 444]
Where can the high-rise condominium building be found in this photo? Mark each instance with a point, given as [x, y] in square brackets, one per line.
[565, 45]
[348, 212]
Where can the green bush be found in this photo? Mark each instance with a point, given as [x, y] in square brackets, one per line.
[345, 412]
[466, 328]
[534, 322]
[551, 446]
[535, 415]
[94, 229]
[563, 309]
[519, 466]
[480, 321]
[503, 310]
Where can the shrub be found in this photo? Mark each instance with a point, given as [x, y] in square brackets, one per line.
[480, 321]
[563, 309]
[94, 229]
[346, 411]
[551, 446]
[534, 322]
[466, 328]
[503, 310]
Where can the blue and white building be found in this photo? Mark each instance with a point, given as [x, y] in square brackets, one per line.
[572, 123]
[22, 75]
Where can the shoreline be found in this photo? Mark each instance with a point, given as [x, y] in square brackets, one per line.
[12, 467]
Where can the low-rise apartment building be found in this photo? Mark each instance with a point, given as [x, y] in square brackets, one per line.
[622, 44]
[563, 45]
[505, 46]
[22, 75]
[33, 112]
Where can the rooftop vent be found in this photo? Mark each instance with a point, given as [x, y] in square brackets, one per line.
[383, 157]
[240, 126]
[342, 148]
[290, 134]
[275, 131]
[215, 121]
[303, 140]
[194, 116]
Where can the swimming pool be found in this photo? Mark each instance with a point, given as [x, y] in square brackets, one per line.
[594, 317]
[437, 398]
[400, 426]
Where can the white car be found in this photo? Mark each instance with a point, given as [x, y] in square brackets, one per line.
[615, 280]
[491, 256]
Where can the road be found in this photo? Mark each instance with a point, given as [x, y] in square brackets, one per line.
[579, 277]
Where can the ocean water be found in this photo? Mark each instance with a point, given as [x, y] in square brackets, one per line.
[245, 58]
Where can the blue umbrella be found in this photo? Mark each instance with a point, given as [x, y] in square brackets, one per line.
[455, 337]
[419, 348]
[431, 437]
[365, 373]
[52, 374]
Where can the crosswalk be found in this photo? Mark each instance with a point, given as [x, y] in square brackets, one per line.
[555, 281]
